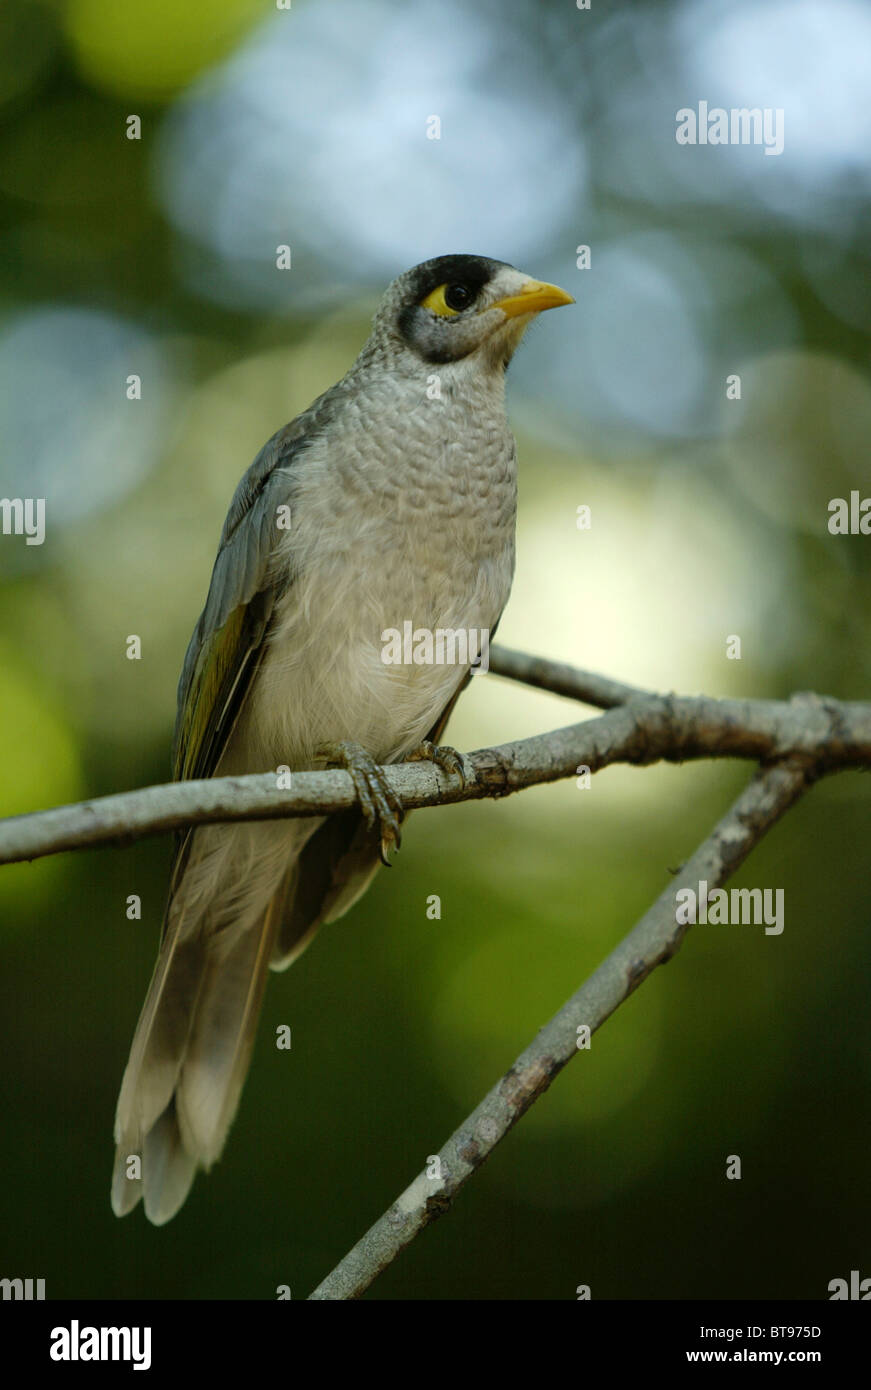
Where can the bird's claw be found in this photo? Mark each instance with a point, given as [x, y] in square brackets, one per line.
[445, 757]
[378, 801]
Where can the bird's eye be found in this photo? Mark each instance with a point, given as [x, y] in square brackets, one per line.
[458, 297]
[448, 300]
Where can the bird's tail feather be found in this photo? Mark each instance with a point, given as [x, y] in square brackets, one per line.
[219, 1048]
[195, 1035]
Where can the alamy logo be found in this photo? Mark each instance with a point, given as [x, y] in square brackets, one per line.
[22, 1288]
[445, 646]
[742, 905]
[739, 126]
[23, 516]
[858, 1288]
[75, 1343]
[851, 518]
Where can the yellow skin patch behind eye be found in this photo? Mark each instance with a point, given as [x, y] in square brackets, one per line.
[436, 302]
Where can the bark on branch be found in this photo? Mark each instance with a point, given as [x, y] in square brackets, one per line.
[824, 734]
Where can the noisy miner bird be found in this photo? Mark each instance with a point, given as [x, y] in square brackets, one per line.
[401, 487]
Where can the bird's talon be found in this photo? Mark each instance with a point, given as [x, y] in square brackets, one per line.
[445, 757]
[389, 841]
[379, 803]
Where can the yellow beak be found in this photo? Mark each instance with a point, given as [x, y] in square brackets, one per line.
[533, 297]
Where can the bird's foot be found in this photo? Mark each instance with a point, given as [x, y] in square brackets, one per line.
[445, 757]
[378, 801]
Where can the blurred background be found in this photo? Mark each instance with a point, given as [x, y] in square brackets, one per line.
[156, 257]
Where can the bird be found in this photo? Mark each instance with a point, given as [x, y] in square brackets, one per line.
[392, 498]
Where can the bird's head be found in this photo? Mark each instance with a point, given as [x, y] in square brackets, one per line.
[463, 307]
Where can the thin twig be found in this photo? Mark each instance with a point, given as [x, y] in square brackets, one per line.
[559, 679]
[654, 940]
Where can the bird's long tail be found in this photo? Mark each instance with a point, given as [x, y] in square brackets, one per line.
[193, 1043]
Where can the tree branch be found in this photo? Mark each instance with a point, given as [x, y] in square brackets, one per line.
[654, 940]
[797, 741]
[827, 733]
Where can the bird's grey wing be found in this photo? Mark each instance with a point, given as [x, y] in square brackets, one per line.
[223, 652]
[228, 640]
[192, 1044]
[221, 655]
